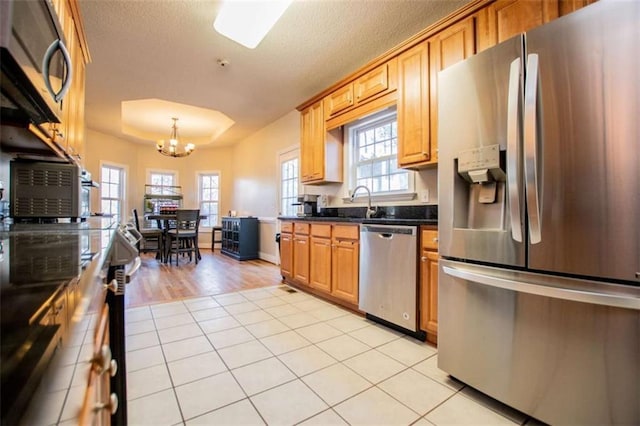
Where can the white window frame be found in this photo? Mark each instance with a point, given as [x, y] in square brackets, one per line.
[285, 155]
[199, 176]
[122, 189]
[165, 172]
[351, 162]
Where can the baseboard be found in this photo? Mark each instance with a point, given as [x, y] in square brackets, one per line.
[268, 258]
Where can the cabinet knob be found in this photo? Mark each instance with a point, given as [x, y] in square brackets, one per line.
[435, 240]
[113, 285]
[113, 368]
[423, 259]
[112, 405]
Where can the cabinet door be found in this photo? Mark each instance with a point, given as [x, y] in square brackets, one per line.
[301, 258]
[413, 106]
[339, 100]
[286, 255]
[446, 48]
[306, 144]
[345, 270]
[372, 83]
[320, 264]
[507, 18]
[312, 143]
[429, 293]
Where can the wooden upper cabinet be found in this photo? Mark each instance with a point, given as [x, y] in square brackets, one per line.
[372, 83]
[320, 150]
[339, 100]
[504, 19]
[450, 46]
[414, 144]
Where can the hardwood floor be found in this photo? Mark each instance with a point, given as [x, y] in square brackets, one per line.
[214, 274]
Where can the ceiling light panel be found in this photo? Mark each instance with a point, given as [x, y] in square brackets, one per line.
[248, 21]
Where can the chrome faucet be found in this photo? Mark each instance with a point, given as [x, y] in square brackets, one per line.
[370, 210]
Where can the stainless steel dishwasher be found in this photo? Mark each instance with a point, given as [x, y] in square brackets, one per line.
[388, 285]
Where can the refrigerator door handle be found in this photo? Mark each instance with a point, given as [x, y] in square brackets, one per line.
[531, 152]
[613, 300]
[513, 149]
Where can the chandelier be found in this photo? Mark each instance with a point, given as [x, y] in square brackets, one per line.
[172, 149]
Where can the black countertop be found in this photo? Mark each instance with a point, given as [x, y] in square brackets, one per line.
[37, 263]
[385, 215]
[360, 220]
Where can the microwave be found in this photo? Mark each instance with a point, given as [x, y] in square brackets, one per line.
[36, 65]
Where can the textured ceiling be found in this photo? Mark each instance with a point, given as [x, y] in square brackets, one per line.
[168, 49]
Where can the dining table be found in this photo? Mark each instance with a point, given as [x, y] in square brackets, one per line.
[163, 221]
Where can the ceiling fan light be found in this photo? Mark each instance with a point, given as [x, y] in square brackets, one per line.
[248, 22]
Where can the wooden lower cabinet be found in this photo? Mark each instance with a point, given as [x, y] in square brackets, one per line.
[325, 257]
[429, 284]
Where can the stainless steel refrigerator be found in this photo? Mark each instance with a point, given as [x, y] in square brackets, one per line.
[539, 218]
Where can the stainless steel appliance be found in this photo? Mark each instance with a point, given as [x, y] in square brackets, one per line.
[48, 191]
[36, 66]
[388, 285]
[308, 205]
[539, 219]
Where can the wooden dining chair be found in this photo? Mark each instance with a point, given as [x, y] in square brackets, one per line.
[152, 238]
[184, 238]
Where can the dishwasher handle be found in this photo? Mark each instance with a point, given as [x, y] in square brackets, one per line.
[388, 229]
[385, 236]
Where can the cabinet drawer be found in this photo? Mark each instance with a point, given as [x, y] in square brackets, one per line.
[321, 230]
[286, 227]
[346, 232]
[429, 239]
[301, 228]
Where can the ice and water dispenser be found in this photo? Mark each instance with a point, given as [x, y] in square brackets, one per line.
[480, 188]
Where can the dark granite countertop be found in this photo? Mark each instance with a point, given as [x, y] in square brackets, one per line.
[359, 220]
[385, 215]
[37, 263]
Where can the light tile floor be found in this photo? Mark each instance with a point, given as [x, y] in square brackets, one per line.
[271, 356]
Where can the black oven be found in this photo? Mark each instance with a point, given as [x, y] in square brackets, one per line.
[35, 62]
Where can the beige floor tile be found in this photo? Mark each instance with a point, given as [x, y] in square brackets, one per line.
[493, 404]
[158, 409]
[256, 294]
[328, 313]
[288, 404]
[461, 410]
[196, 367]
[219, 324]
[147, 381]
[348, 323]
[416, 391]
[73, 403]
[180, 332]
[200, 303]
[238, 413]
[422, 422]
[139, 327]
[168, 309]
[343, 347]
[240, 308]
[144, 358]
[225, 338]
[267, 328]
[429, 367]
[209, 313]
[269, 302]
[186, 348]
[374, 366]
[284, 342]
[253, 317]
[298, 320]
[336, 383]
[282, 310]
[135, 342]
[230, 299]
[262, 375]
[296, 297]
[141, 313]
[307, 360]
[375, 335]
[244, 353]
[374, 407]
[200, 397]
[318, 332]
[310, 305]
[326, 418]
[408, 350]
[174, 321]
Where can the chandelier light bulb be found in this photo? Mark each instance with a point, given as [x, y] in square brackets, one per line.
[174, 142]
